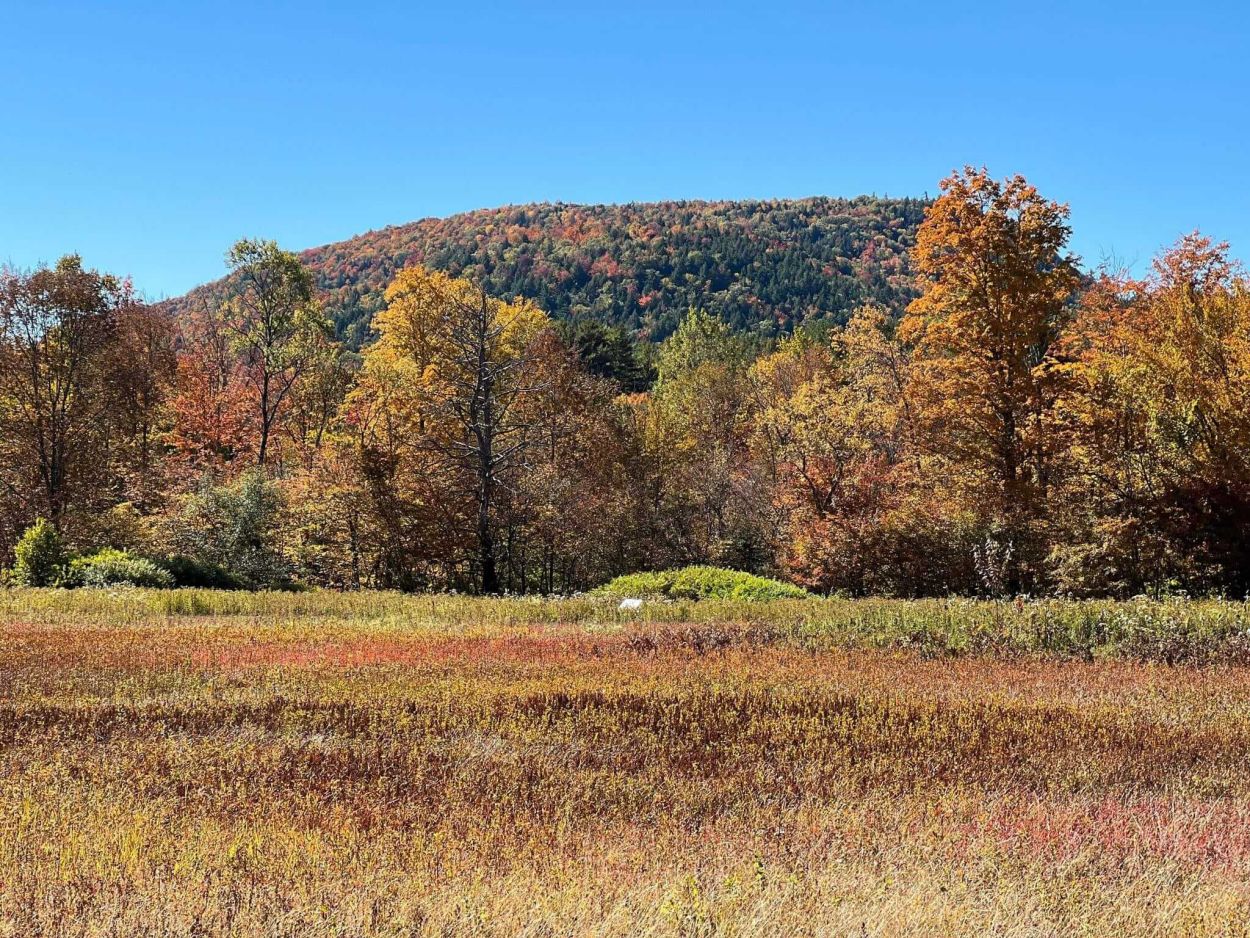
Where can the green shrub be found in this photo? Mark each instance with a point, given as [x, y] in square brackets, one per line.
[40, 556]
[201, 574]
[237, 528]
[112, 567]
[701, 583]
[654, 584]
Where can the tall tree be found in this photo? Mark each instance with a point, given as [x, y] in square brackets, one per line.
[997, 284]
[474, 357]
[566, 515]
[214, 419]
[60, 329]
[409, 529]
[695, 434]
[833, 420]
[276, 327]
[142, 375]
[609, 352]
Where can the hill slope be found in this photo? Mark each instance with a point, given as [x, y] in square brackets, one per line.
[760, 265]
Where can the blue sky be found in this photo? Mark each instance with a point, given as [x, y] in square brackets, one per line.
[149, 136]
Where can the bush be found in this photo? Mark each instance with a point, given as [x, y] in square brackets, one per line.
[111, 567]
[702, 583]
[202, 574]
[41, 559]
[237, 528]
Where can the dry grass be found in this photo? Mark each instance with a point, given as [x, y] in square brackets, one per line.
[313, 765]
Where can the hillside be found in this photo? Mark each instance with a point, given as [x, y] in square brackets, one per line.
[759, 265]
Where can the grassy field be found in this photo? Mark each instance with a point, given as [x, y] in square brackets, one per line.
[204, 764]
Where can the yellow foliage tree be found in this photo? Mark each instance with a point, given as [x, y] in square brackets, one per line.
[461, 364]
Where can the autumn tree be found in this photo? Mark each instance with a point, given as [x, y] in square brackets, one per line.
[409, 524]
[997, 286]
[1159, 423]
[143, 373]
[468, 363]
[276, 328]
[316, 399]
[565, 517]
[214, 420]
[834, 422]
[694, 454]
[74, 401]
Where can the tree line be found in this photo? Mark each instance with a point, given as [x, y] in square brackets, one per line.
[1022, 427]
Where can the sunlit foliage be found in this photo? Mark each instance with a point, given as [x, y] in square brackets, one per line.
[993, 421]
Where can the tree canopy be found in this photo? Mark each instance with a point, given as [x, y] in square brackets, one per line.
[988, 419]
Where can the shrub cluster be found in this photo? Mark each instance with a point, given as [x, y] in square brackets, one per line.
[224, 537]
[41, 559]
[201, 574]
[112, 567]
[700, 582]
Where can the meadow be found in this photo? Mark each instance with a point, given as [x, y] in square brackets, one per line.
[197, 763]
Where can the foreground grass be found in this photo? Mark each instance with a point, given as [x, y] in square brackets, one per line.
[317, 764]
[1173, 631]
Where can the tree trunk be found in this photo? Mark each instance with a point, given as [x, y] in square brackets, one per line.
[263, 449]
[486, 550]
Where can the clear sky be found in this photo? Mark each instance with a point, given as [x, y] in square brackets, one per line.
[149, 136]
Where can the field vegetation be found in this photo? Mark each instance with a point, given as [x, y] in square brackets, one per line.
[203, 763]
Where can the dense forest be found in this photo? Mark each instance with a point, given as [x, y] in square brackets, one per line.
[761, 267]
[976, 414]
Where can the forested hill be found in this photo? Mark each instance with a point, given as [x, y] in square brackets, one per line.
[762, 266]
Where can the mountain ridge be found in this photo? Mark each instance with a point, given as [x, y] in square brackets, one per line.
[763, 265]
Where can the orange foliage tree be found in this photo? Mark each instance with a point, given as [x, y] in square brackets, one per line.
[1159, 425]
[997, 289]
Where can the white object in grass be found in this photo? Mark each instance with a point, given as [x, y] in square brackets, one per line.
[630, 604]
